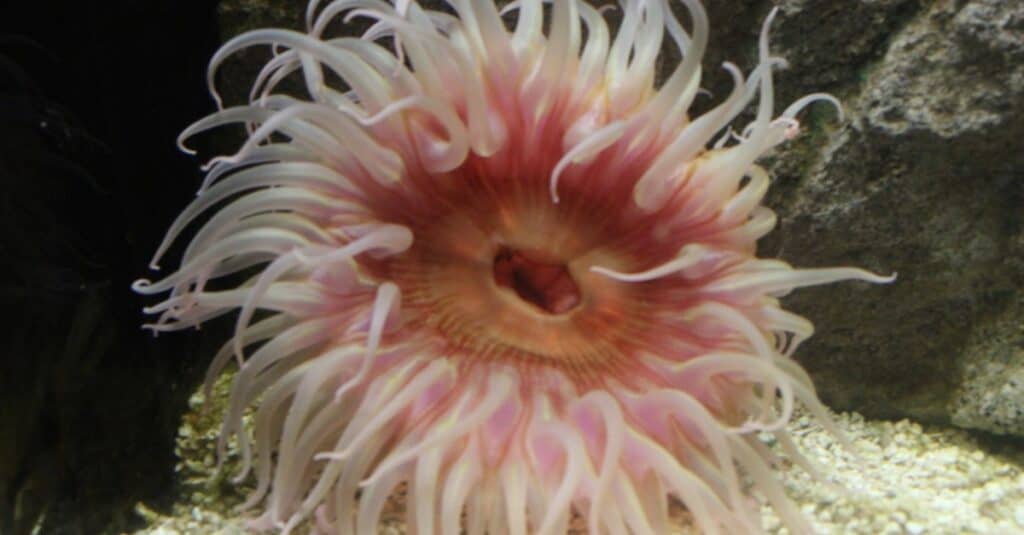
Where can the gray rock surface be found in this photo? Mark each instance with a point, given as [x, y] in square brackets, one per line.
[923, 177]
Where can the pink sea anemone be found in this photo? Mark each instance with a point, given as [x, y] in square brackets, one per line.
[498, 266]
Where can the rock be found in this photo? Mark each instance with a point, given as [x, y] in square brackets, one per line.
[922, 180]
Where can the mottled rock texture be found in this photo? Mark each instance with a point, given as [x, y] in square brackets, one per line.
[924, 176]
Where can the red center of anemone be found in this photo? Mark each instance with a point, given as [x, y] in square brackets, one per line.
[500, 273]
[548, 286]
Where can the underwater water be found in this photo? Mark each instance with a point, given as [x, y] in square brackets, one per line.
[100, 422]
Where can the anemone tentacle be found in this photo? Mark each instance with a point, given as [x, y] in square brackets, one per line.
[488, 259]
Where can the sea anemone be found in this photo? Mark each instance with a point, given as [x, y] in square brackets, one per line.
[490, 261]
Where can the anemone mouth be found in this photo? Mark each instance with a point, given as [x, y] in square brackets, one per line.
[546, 285]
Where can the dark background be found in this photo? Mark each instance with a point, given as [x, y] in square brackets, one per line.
[92, 96]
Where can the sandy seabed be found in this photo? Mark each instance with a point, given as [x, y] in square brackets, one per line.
[901, 478]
